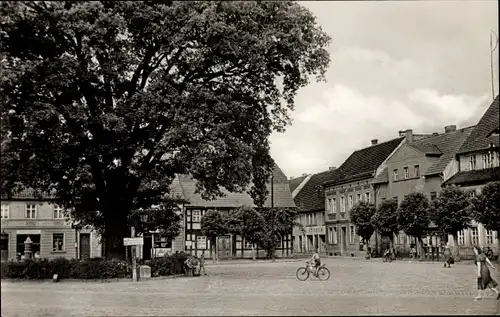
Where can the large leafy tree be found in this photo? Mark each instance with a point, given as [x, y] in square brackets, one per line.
[486, 207]
[103, 102]
[361, 215]
[414, 217]
[385, 220]
[249, 224]
[450, 212]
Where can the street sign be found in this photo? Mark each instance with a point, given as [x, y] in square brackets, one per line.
[133, 241]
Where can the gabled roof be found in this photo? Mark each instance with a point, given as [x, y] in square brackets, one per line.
[311, 197]
[281, 190]
[294, 183]
[474, 177]
[444, 145]
[478, 139]
[363, 163]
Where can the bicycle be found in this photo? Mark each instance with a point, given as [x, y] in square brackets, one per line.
[304, 272]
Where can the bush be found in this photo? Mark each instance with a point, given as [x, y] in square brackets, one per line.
[169, 265]
[96, 268]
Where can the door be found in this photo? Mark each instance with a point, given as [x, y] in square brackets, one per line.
[344, 241]
[224, 247]
[147, 248]
[84, 246]
[4, 247]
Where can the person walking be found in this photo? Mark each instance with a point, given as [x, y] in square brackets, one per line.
[202, 262]
[484, 279]
[447, 256]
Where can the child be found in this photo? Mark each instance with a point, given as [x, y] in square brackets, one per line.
[316, 261]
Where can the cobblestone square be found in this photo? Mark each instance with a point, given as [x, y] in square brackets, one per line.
[356, 287]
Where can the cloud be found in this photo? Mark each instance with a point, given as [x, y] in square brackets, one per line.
[325, 133]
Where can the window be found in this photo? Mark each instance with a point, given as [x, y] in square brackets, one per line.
[58, 212]
[416, 170]
[367, 197]
[406, 172]
[330, 206]
[350, 202]
[472, 162]
[487, 160]
[333, 207]
[342, 204]
[395, 175]
[5, 211]
[30, 211]
[489, 237]
[472, 193]
[201, 242]
[58, 242]
[433, 196]
[196, 216]
[474, 236]
[196, 226]
[332, 235]
[358, 198]
[352, 234]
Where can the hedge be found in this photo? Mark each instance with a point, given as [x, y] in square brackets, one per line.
[97, 268]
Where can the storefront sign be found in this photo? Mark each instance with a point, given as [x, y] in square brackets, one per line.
[316, 230]
[29, 231]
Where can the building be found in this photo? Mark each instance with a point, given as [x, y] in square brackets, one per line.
[477, 163]
[192, 240]
[52, 234]
[419, 166]
[352, 184]
[310, 198]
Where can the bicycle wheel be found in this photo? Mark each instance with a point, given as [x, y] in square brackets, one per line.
[302, 274]
[323, 273]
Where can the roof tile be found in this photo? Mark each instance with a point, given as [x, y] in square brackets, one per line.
[478, 139]
[474, 177]
[311, 197]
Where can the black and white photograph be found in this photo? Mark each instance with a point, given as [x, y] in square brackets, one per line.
[249, 158]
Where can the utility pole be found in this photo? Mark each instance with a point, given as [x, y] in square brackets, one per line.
[272, 211]
[492, 50]
[133, 256]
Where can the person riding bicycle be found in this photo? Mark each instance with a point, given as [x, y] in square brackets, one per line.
[316, 262]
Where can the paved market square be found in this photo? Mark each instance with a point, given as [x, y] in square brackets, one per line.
[356, 287]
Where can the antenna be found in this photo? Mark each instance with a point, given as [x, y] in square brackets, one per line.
[492, 50]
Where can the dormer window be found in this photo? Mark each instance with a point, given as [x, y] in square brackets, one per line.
[472, 162]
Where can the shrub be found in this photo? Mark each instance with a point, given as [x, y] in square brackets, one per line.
[96, 268]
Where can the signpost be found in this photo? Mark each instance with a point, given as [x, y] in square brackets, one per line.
[133, 242]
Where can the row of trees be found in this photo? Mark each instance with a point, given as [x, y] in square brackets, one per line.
[264, 227]
[453, 211]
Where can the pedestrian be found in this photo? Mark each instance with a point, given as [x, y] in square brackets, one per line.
[484, 279]
[447, 256]
[202, 262]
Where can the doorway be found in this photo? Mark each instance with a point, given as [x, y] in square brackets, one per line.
[84, 246]
[344, 241]
[147, 248]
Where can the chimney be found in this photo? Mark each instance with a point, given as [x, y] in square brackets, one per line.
[304, 175]
[331, 168]
[291, 177]
[450, 128]
[374, 142]
[409, 135]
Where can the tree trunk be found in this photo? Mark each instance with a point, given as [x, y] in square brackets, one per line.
[391, 246]
[253, 253]
[114, 233]
[456, 253]
[366, 248]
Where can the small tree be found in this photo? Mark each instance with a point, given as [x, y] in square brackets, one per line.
[251, 224]
[450, 212]
[214, 224]
[279, 222]
[361, 215]
[413, 217]
[486, 207]
[385, 220]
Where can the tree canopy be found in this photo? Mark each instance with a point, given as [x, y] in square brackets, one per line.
[361, 216]
[385, 219]
[413, 214]
[486, 206]
[104, 102]
[450, 210]
[213, 224]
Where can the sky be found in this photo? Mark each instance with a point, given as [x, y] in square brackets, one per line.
[395, 65]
